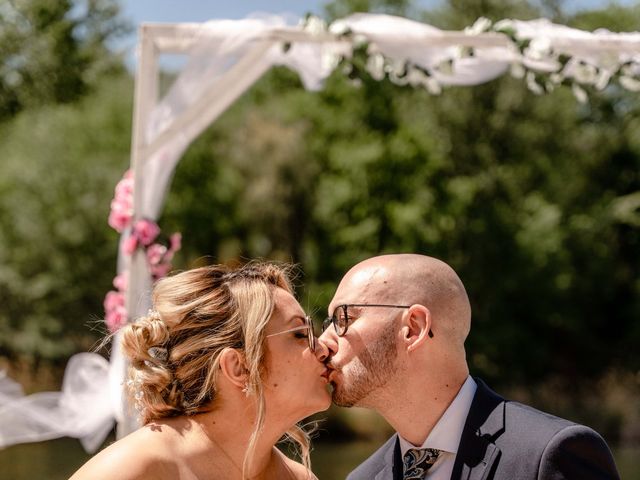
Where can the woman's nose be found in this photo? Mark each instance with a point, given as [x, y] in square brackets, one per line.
[329, 343]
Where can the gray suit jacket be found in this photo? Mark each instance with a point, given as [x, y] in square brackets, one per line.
[504, 440]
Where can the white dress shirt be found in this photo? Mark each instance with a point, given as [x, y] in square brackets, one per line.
[446, 434]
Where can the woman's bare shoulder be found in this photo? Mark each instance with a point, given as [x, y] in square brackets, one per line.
[138, 456]
[299, 471]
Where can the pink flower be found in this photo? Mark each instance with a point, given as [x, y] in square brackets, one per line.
[116, 318]
[160, 270]
[146, 231]
[155, 253]
[175, 242]
[119, 220]
[130, 244]
[124, 189]
[121, 281]
[123, 205]
[113, 300]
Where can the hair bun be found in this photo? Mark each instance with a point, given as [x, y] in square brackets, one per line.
[152, 382]
[160, 354]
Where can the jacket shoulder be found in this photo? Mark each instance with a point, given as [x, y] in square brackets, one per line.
[374, 463]
[578, 451]
[533, 444]
[561, 448]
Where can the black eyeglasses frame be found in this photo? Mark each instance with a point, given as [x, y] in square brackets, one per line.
[339, 329]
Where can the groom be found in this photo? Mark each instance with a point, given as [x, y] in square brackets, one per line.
[395, 338]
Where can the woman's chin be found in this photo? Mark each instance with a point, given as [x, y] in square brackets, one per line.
[326, 405]
[321, 402]
[324, 400]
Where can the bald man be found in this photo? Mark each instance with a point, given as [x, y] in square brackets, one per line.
[395, 335]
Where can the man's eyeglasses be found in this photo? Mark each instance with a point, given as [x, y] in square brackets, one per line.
[308, 326]
[340, 317]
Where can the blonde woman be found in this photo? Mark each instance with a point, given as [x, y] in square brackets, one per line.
[221, 370]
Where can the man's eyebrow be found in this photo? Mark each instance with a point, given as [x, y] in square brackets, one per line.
[351, 308]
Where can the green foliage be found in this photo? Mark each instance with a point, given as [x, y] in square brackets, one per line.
[57, 254]
[534, 200]
[342, 8]
[615, 17]
[458, 14]
[53, 51]
[60, 162]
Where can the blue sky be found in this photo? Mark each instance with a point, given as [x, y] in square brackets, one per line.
[202, 10]
[139, 11]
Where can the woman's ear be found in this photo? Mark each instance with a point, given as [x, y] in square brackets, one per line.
[417, 326]
[233, 367]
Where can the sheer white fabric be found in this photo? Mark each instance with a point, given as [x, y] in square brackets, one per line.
[83, 409]
[226, 57]
[218, 72]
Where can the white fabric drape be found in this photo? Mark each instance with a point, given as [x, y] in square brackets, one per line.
[83, 409]
[225, 58]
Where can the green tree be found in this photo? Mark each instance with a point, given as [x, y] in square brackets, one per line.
[53, 51]
[57, 253]
[532, 199]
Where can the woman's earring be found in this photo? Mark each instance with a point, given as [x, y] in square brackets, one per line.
[246, 389]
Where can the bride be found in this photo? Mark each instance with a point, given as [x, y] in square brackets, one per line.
[221, 370]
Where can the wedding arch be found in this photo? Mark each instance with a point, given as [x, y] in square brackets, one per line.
[224, 59]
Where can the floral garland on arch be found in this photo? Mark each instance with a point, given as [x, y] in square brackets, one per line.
[143, 234]
[532, 58]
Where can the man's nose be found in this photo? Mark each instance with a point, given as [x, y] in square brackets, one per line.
[321, 351]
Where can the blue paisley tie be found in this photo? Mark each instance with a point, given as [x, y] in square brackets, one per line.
[418, 461]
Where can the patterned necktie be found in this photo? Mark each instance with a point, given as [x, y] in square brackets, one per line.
[418, 461]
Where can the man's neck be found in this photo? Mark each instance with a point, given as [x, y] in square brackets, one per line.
[416, 406]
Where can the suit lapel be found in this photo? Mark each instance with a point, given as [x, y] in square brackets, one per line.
[482, 470]
[392, 468]
[477, 452]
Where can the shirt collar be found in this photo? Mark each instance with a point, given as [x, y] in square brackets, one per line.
[447, 432]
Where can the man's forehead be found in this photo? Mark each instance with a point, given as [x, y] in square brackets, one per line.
[364, 277]
[359, 285]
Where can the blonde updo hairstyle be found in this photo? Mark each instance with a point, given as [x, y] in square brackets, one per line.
[174, 351]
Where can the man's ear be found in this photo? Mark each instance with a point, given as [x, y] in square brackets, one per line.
[417, 325]
[233, 366]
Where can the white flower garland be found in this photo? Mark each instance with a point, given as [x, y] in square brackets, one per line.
[530, 49]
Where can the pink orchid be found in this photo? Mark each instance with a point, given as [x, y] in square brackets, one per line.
[124, 205]
[175, 242]
[142, 235]
[146, 231]
[119, 220]
[156, 253]
[116, 318]
[124, 189]
[130, 244]
[121, 281]
[113, 300]
[160, 270]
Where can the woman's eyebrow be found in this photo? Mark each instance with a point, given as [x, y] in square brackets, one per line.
[296, 317]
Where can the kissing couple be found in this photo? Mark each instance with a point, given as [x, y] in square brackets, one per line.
[227, 363]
